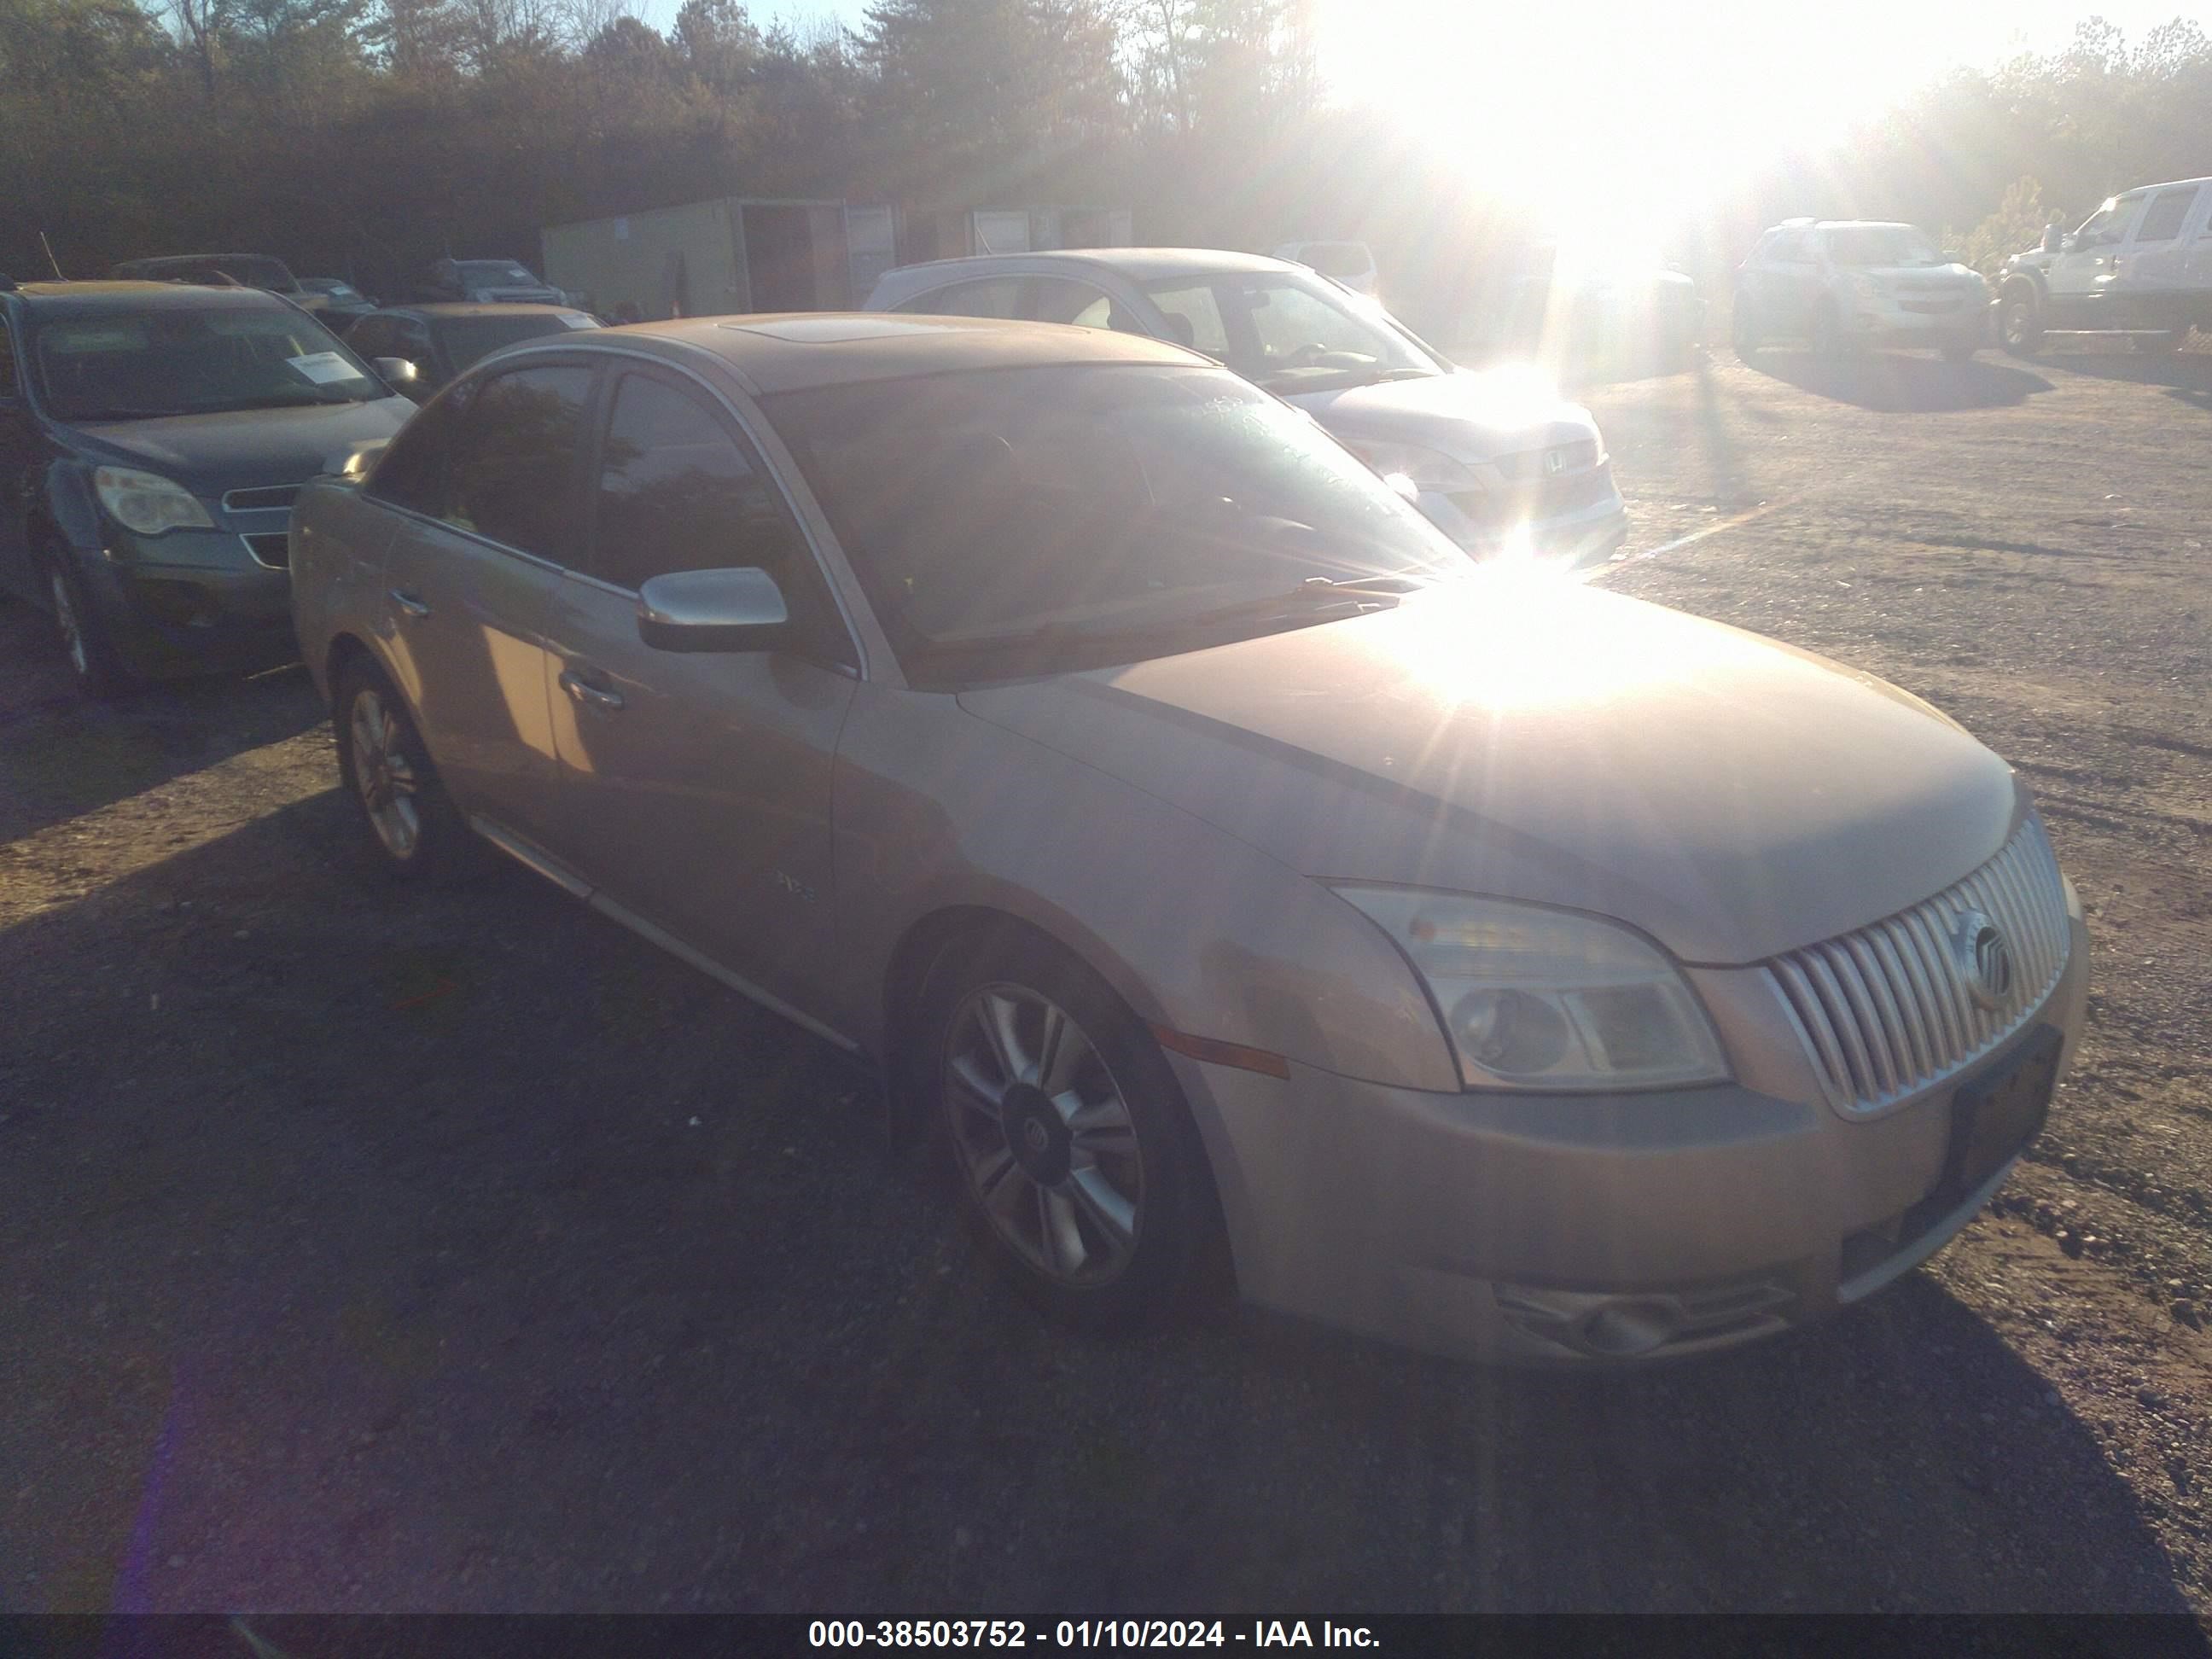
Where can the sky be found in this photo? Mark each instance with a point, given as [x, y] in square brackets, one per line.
[1654, 105]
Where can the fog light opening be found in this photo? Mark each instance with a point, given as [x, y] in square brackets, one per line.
[1623, 1329]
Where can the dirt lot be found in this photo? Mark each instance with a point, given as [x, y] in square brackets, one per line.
[365, 1249]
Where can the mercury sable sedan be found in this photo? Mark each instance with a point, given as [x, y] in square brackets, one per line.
[1223, 870]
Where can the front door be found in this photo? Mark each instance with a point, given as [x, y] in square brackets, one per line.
[695, 787]
[2080, 280]
[488, 481]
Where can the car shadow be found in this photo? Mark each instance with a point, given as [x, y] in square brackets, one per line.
[1896, 383]
[382, 1249]
[61, 757]
[2186, 376]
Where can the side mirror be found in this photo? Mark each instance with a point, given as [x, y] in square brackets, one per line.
[2054, 239]
[402, 376]
[712, 611]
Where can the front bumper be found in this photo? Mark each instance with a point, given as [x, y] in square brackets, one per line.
[1902, 324]
[1587, 1229]
[194, 601]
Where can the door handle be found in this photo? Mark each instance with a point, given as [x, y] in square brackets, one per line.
[409, 604]
[590, 696]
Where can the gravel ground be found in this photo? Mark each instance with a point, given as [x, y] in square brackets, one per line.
[373, 1250]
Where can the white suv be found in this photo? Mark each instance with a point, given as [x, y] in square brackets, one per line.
[2140, 266]
[1845, 283]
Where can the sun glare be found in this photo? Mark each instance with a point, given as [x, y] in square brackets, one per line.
[1627, 115]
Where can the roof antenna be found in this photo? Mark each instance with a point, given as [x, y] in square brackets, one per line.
[51, 260]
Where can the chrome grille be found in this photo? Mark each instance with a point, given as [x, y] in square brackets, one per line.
[1533, 465]
[1891, 1009]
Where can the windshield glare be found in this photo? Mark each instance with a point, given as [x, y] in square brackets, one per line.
[1866, 246]
[124, 364]
[1286, 331]
[986, 512]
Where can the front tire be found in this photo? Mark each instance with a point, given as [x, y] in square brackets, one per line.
[2020, 322]
[418, 832]
[94, 668]
[1743, 330]
[1076, 1160]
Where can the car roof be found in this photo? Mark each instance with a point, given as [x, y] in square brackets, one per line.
[196, 259]
[432, 310]
[2170, 184]
[1144, 265]
[794, 351]
[89, 299]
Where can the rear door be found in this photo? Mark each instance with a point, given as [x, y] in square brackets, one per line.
[486, 487]
[695, 787]
[2149, 272]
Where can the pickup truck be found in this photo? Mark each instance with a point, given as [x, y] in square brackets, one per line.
[2139, 268]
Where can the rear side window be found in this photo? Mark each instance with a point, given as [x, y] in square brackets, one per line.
[997, 296]
[2168, 211]
[514, 457]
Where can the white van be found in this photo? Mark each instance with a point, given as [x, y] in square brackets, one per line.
[2139, 267]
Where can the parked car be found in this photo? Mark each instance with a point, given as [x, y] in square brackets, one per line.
[1499, 461]
[1214, 860]
[1536, 299]
[2139, 268]
[420, 347]
[152, 437]
[261, 271]
[489, 282]
[1352, 264]
[1844, 284]
[343, 304]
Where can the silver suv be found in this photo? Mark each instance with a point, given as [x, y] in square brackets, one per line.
[1220, 865]
[1842, 284]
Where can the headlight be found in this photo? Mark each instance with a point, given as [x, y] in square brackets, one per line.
[1411, 470]
[1537, 999]
[147, 502]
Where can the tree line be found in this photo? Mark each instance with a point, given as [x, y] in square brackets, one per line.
[366, 138]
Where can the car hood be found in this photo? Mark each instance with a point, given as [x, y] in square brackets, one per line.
[1732, 797]
[244, 447]
[1924, 276]
[1473, 416]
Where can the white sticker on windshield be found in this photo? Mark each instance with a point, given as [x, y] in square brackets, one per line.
[323, 366]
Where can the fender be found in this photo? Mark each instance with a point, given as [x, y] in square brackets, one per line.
[69, 508]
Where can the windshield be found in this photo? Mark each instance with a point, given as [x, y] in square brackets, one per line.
[467, 339]
[125, 365]
[1018, 519]
[495, 271]
[1287, 331]
[1879, 247]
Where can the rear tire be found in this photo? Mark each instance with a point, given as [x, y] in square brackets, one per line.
[1075, 1157]
[387, 772]
[2020, 322]
[94, 668]
[2161, 345]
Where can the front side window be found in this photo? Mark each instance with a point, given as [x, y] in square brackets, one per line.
[1288, 331]
[2109, 223]
[514, 458]
[2163, 219]
[415, 471]
[126, 365]
[1070, 514]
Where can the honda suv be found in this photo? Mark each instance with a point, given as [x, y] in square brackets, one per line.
[1846, 284]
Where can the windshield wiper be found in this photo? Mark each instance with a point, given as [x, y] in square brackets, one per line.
[120, 413]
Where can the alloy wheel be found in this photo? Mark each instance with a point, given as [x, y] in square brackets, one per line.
[384, 773]
[1043, 1134]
